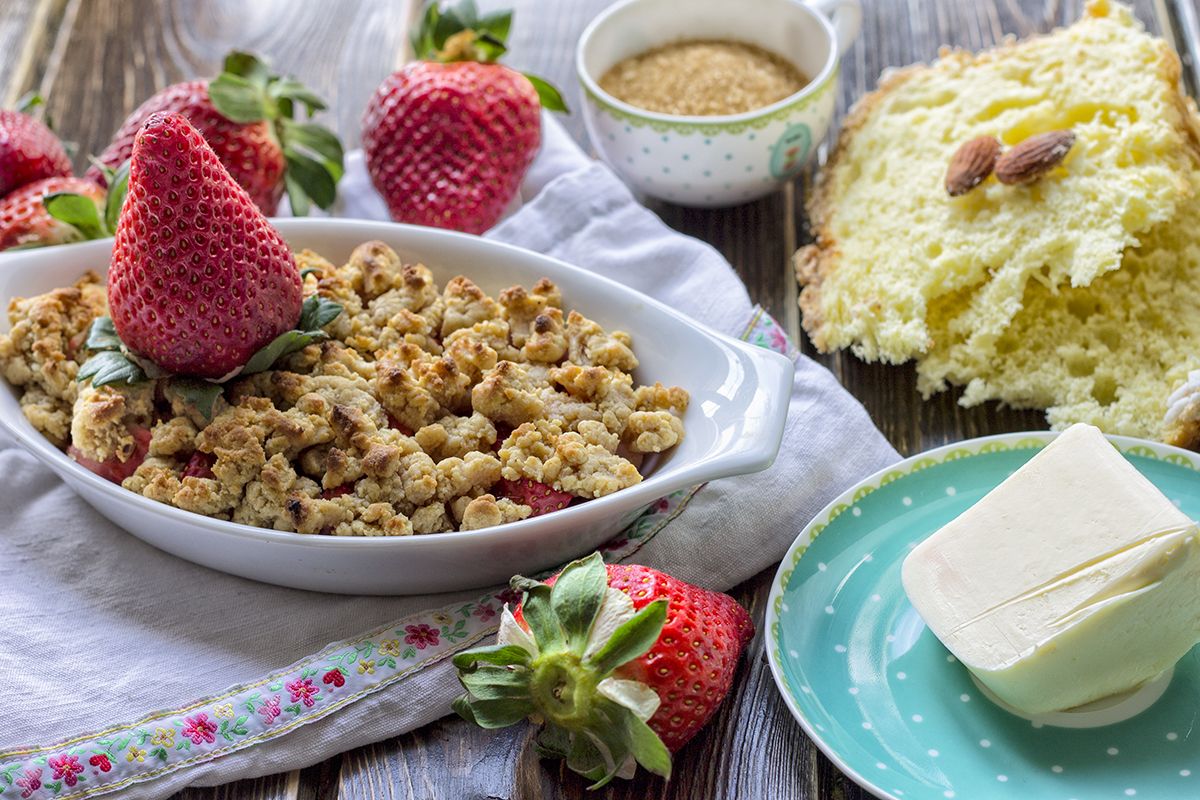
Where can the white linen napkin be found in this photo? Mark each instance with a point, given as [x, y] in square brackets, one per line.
[128, 670]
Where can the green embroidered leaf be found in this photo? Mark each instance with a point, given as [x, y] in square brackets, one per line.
[54, 786]
[576, 598]
[308, 672]
[409, 652]
[388, 662]
[200, 393]
[184, 744]
[110, 366]
[275, 687]
[292, 709]
[77, 210]
[224, 730]
[160, 753]
[632, 638]
[239, 725]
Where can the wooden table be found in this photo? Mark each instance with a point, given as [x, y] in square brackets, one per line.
[96, 59]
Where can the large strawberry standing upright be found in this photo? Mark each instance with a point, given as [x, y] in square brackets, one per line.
[199, 281]
[623, 664]
[248, 117]
[449, 137]
[29, 150]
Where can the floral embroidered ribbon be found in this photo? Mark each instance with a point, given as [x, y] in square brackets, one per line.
[163, 742]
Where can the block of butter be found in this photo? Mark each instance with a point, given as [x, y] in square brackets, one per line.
[1072, 580]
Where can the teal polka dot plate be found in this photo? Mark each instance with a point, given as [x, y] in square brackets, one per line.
[888, 704]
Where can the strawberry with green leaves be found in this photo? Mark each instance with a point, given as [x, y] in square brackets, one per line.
[51, 211]
[248, 117]
[29, 150]
[449, 137]
[624, 664]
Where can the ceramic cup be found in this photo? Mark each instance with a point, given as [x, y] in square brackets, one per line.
[715, 160]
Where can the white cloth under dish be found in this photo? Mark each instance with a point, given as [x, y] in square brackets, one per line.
[101, 630]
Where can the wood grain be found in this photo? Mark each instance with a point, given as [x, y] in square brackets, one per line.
[97, 59]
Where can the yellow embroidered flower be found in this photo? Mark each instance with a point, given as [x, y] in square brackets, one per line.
[389, 647]
[225, 711]
[442, 619]
[135, 754]
[163, 737]
[366, 667]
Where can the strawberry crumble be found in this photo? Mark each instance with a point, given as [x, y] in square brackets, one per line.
[425, 409]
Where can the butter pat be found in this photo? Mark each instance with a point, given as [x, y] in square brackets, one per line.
[1072, 580]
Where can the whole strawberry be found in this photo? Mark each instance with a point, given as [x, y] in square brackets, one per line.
[27, 221]
[247, 117]
[29, 151]
[623, 663]
[199, 279]
[448, 138]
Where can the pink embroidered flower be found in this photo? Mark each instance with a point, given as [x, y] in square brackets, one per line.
[31, 782]
[484, 611]
[334, 677]
[421, 636]
[663, 504]
[199, 729]
[303, 691]
[778, 340]
[66, 768]
[269, 709]
[509, 597]
[101, 761]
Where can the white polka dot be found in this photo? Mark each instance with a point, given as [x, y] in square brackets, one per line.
[868, 558]
[966, 698]
[1112, 751]
[821, 566]
[784, 606]
[950, 659]
[950, 490]
[898, 793]
[839, 648]
[1002, 778]
[866, 726]
[880, 765]
[1056, 769]
[984, 743]
[1037, 724]
[917, 718]
[818, 727]
[854, 690]
[1177, 503]
[890, 638]
[1172, 736]
[856, 511]
[947, 793]
[793, 654]
[828, 609]
[1130, 792]
[934, 753]
[907, 501]
[875, 598]
[1185, 773]
[901, 676]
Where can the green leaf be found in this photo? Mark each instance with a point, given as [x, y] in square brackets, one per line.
[318, 141]
[102, 335]
[550, 98]
[495, 25]
[585, 758]
[467, 12]
[283, 344]
[647, 747]
[247, 65]
[493, 714]
[539, 615]
[489, 48]
[76, 210]
[631, 639]
[553, 742]
[448, 24]
[304, 273]
[200, 393]
[496, 683]
[317, 312]
[118, 187]
[297, 199]
[292, 89]
[313, 177]
[237, 98]
[576, 598]
[501, 655]
[29, 101]
[108, 367]
[422, 35]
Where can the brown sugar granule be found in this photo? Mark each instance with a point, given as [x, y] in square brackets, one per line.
[703, 78]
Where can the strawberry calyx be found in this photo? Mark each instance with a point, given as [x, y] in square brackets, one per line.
[91, 219]
[110, 361]
[247, 91]
[456, 31]
[560, 661]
